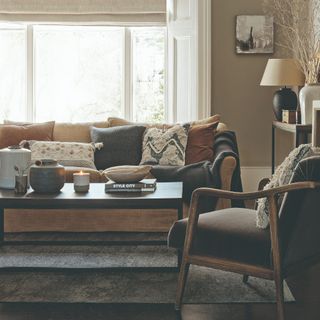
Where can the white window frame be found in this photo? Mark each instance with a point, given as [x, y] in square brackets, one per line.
[127, 84]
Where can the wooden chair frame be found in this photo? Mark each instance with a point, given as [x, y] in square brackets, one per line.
[273, 273]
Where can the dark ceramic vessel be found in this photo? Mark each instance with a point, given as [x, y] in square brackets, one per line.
[47, 176]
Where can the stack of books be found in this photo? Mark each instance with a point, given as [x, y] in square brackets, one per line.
[145, 185]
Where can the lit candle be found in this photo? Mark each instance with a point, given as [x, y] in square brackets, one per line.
[81, 181]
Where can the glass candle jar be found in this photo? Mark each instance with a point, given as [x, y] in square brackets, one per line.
[81, 181]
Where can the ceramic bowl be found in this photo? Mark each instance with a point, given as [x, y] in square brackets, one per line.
[127, 174]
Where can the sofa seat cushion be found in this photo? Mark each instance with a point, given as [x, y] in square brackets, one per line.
[95, 175]
[227, 234]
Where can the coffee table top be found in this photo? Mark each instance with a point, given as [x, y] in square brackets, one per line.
[167, 195]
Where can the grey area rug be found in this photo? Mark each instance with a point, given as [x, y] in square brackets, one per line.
[118, 285]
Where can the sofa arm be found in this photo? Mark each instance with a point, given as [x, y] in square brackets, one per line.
[227, 169]
[227, 163]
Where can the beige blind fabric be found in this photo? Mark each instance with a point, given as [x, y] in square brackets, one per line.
[91, 11]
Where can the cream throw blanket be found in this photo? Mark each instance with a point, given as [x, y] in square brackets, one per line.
[281, 177]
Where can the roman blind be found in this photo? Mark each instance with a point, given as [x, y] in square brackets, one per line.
[84, 11]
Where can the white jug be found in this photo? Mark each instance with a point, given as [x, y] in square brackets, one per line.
[9, 158]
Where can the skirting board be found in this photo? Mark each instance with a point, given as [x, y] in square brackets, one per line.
[252, 175]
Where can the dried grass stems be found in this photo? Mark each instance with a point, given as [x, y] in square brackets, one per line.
[298, 25]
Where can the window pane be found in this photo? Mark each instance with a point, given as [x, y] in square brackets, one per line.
[78, 73]
[12, 73]
[148, 74]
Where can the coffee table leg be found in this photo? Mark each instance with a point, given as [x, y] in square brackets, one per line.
[180, 251]
[1, 224]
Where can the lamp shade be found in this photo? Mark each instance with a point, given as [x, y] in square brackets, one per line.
[282, 72]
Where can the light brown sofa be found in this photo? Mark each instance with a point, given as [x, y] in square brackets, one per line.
[102, 220]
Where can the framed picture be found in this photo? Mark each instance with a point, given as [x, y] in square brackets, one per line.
[254, 34]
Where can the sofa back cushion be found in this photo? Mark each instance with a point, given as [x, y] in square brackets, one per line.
[121, 146]
[76, 132]
[115, 122]
[11, 134]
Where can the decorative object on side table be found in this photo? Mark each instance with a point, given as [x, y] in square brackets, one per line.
[289, 116]
[127, 174]
[316, 124]
[47, 176]
[302, 40]
[81, 182]
[283, 72]
[254, 34]
[9, 158]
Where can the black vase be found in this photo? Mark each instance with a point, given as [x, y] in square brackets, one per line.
[284, 99]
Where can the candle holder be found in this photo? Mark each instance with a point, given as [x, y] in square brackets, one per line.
[81, 182]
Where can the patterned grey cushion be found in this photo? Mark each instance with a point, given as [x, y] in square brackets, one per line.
[165, 147]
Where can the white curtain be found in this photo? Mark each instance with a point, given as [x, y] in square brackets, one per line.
[86, 11]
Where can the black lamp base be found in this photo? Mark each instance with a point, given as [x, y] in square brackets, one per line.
[284, 99]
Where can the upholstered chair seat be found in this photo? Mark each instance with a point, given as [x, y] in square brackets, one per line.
[228, 234]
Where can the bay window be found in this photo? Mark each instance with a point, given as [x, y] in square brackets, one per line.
[82, 73]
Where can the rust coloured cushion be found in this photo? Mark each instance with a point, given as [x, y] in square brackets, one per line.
[200, 143]
[14, 134]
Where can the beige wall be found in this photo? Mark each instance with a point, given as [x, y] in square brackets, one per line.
[244, 106]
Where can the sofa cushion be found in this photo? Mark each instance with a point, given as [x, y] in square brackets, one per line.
[165, 147]
[200, 143]
[11, 134]
[76, 132]
[95, 175]
[67, 153]
[227, 234]
[114, 122]
[67, 131]
[121, 145]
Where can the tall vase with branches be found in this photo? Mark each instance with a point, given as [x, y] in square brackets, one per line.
[298, 27]
[298, 32]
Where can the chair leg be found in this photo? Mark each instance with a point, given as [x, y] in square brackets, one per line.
[280, 298]
[184, 269]
[245, 278]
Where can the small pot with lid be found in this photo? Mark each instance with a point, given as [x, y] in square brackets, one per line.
[47, 176]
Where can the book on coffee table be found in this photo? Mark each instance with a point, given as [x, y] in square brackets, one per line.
[145, 185]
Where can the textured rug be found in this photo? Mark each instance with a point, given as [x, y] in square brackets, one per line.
[110, 285]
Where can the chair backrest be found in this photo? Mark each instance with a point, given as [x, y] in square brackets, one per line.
[300, 218]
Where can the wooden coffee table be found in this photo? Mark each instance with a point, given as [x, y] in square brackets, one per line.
[167, 196]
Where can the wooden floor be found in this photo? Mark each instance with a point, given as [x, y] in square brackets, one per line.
[305, 287]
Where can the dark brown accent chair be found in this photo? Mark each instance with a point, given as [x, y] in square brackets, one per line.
[229, 240]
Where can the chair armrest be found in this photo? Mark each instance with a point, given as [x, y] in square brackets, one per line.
[255, 195]
[270, 194]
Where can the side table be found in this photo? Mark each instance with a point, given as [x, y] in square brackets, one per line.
[301, 135]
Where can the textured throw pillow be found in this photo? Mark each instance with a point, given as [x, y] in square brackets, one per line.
[12, 134]
[121, 145]
[66, 153]
[282, 177]
[165, 147]
[200, 143]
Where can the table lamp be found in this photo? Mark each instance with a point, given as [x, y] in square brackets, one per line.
[283, 72]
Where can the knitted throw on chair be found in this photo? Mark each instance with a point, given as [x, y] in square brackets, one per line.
[281, 177]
